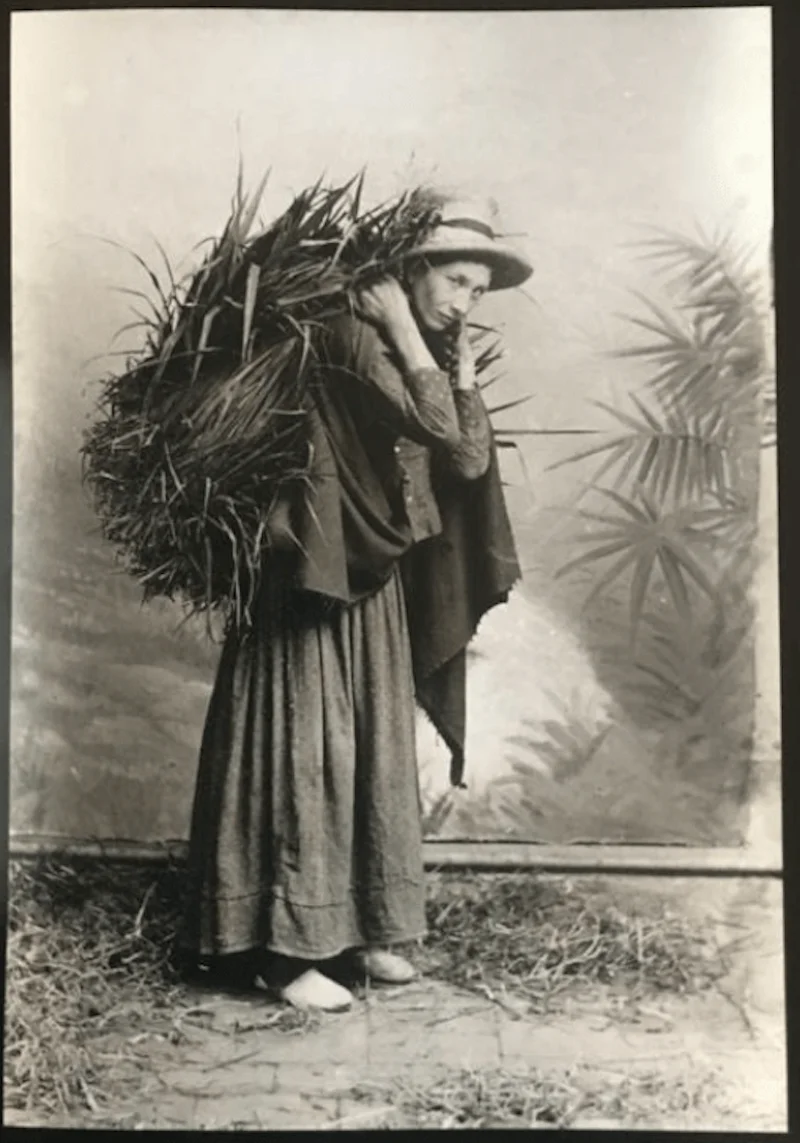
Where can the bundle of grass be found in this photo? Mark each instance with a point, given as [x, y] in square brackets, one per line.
[197, 441]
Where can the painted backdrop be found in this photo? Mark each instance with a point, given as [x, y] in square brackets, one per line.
[589, 128]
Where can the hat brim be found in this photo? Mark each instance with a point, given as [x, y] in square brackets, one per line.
[507, 266]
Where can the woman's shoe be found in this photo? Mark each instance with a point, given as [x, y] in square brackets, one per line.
[235, 973]
[313, 990]
[385, 967]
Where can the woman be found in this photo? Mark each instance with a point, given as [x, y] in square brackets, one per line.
[306, 835]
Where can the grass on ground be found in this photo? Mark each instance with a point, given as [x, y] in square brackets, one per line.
[91, 987]
[581, 1097]
[541, 938]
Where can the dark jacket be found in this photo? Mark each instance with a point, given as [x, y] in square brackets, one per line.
[375, 434]
[405, 472]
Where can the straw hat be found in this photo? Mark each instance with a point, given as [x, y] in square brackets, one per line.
[468, 229]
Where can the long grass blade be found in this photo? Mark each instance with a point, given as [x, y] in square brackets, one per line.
[251, 291]
[495, 409]
[205, 333]
[141, 262]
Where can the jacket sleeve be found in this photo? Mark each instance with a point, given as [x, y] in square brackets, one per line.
[421, 405]
[416, 405]
[470, 459]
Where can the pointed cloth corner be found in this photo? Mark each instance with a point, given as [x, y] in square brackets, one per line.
[451, 581]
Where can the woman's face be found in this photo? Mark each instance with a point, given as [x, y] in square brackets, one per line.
[446, 293]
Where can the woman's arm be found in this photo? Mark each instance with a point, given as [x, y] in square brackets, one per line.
[403, 385]
[470, 459]
[404, 389]
[407, 390]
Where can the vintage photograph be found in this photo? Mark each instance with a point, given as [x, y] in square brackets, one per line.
[395, 668]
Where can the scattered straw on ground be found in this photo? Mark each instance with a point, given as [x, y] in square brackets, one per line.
[498, 1098]
[91, 990]
[93, 998]
[539, 938]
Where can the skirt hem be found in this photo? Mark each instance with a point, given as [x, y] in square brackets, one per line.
[280, 949]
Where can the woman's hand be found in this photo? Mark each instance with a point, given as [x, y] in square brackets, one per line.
[386, 305]
[465, 375]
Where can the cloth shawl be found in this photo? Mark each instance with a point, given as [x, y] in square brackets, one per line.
[451, 581]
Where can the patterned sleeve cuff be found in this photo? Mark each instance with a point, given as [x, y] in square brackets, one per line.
[473, 455]
[471, 412]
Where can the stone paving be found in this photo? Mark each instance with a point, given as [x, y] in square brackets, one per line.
[229, 1073]
[227, 1065]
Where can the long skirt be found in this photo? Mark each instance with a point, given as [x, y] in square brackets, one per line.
[306, 827]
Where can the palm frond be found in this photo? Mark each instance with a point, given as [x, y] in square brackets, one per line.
[714, 354]
[673, 455]
[690, 674]
[645, 538]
